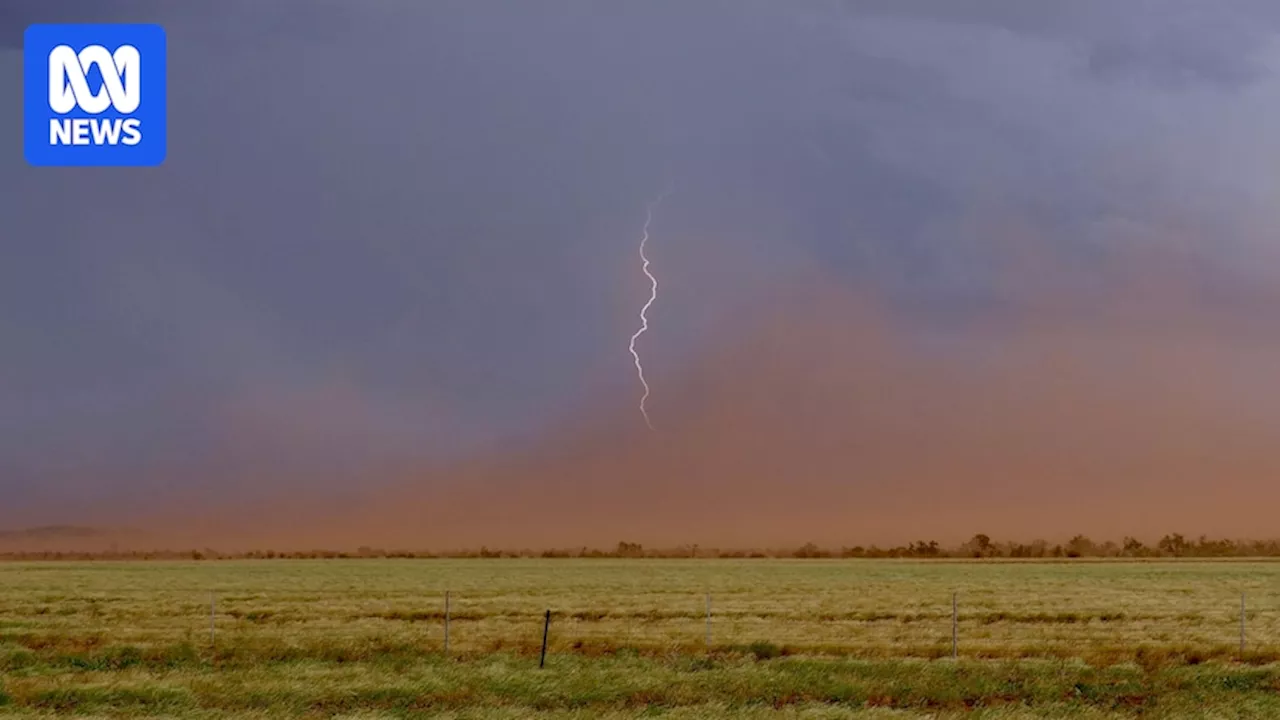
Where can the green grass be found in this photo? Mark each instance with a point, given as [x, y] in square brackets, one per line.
[791, 638]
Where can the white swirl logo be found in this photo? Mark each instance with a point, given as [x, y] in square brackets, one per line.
[69, 86]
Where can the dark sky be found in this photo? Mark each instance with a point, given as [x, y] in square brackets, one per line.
[398, 235]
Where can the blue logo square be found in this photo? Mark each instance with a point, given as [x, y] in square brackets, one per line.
[94, 95]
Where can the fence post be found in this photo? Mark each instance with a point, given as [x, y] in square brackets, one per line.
[546, 627]
[212, 606]
[955, 628]
[708, 621]
[1242, 626]
[446, 623]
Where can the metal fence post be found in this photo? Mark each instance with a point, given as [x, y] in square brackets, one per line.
[955, 627]
[1242, 625]
[708, 621]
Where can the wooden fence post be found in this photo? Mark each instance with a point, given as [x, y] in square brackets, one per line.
[546, 627]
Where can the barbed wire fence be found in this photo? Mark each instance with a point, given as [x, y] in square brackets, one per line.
[466, 624]
[951, 629]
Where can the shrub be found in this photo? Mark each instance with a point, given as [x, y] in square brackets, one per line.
[764, 650]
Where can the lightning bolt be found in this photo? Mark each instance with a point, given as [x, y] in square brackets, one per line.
[653, 295]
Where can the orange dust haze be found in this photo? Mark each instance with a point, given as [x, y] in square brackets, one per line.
[1133, 400]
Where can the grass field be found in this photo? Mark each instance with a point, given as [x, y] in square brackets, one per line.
[794, 638]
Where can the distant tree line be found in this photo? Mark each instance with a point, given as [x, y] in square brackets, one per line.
[979, 546]
[1173, 545]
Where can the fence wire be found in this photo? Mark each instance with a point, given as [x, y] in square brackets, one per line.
[882, 622]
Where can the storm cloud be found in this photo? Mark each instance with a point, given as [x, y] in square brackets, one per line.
[395, 235]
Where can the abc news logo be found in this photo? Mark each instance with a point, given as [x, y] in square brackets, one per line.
[94, 95]
[69, 88]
